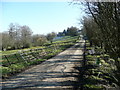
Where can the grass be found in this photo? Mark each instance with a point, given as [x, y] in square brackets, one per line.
[65, 39]
[17, 64]
[93, 87]
[18, 50]
[96, 76]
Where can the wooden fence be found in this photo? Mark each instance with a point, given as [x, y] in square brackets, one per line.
[27, 56]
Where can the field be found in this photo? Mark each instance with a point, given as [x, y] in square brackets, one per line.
[15, 61]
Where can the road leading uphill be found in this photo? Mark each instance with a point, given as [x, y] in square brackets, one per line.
[57, 72]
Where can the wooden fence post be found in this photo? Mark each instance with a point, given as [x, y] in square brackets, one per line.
[17, 57]
[84, 55]
[7, 59]
[25, 62]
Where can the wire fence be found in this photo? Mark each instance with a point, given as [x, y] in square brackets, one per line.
[27, 56]
[31, 55]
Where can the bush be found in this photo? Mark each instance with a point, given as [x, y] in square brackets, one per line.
[17, 67]
[5, 70]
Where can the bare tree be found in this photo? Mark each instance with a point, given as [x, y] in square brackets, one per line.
[0, 41]
[92, 31]
[25, 36]
[6, 43]
[107, 17]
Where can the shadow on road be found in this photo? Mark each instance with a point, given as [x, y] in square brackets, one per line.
[46, 84]
[43, 77]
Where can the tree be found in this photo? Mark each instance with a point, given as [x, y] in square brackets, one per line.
[38, 40]
[64, 32]
[50, 36]
[107, 16]
[20, 36]
[92, 31]
[72, 31]
[26, 36]
[60, 34]
[0, 41]
[5, 40]
[12, 34]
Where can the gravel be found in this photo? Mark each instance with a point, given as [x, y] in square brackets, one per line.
[57, 72]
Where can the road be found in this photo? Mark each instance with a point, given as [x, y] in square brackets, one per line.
[57, 72]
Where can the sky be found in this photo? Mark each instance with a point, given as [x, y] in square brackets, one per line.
[41, 17]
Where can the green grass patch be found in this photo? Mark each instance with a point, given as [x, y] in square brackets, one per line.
[17, 67]
[14, 63]
[98, 75]
[18, 50]
[93, 87]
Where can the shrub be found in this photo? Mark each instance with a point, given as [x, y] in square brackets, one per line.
[5, 70]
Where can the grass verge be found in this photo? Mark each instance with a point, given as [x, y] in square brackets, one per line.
[16, 65]
[99, 70]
